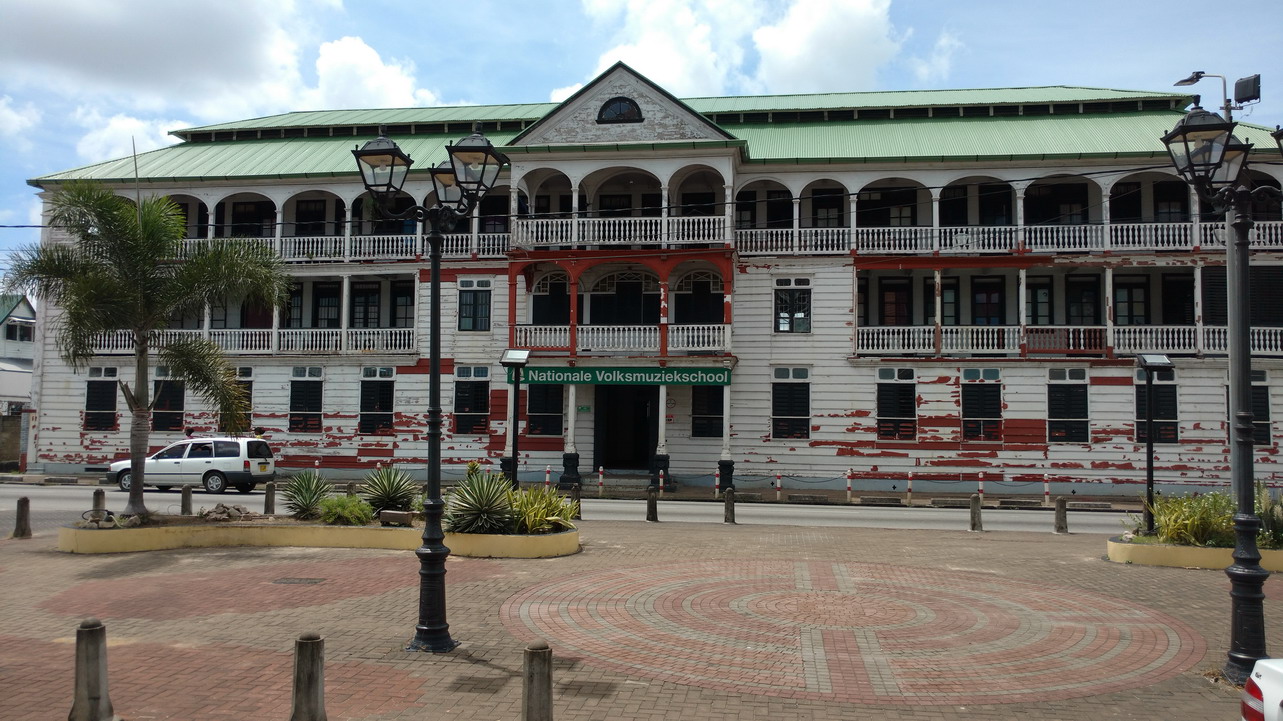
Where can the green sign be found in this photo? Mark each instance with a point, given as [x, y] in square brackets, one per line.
[627, 376]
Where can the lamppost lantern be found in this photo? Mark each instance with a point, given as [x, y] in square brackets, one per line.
[1226, 174]
[476, 164]
[449, 194]
[383, 167]
[1197, 145]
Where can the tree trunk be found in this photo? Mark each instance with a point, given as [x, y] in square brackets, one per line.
[140, 424]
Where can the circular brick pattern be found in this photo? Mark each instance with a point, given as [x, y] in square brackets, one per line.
[855, 633]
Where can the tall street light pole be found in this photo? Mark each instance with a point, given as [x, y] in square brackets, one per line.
[1209, 157]
[473, 168]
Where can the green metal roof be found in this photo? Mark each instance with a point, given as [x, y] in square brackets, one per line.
[924, 98]
[386, 116]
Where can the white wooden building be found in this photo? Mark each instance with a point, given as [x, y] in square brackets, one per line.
[938, 283]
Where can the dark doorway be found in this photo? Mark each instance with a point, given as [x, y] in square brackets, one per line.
[626, 429]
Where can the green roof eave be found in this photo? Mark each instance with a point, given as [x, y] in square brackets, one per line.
[1005, 158]
[617, 147]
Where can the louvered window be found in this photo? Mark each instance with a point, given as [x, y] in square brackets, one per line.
[1166, 417]
[897, 404]
[376, 400]
[306, 396]
[544, 408]
[100, 400]
[706, 411]
[791, 404]
[167, 411]
[472, 400]
[1067, 410]
[981, 405]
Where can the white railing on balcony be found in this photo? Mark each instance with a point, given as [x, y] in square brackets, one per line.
[381, 340]
[979, 239]
[382, 247]
[1059, 238]
[1265, 234]
[696, 229]
[311, 340]
[980, 339]
[311, 248]
[335, 248]
[894, 240]
[1151, 236]
[756, 241]
[697, 337]
[896, 339]
[620, 231]
[1065, 339]
[1155, 338]
[1265, 341]
[542, 231]
[121, 341]
[543, 336]
[610, 338]
[243, 340]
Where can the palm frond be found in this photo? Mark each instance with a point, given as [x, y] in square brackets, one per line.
[231, 268]
[206, 371]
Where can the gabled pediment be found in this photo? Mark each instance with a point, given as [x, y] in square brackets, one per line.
[620, 106]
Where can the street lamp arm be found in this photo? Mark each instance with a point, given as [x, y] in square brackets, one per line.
[439, 219]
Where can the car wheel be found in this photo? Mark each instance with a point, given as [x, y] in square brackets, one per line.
[244, 487]
[215, 482]
[125, 480]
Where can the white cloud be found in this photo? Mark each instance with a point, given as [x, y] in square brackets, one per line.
[14, 121]
[826, 46]
[560, 94]
[351, 74]
[936, 66]
[118, 135]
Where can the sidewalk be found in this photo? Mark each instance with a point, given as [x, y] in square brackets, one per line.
[650, 621]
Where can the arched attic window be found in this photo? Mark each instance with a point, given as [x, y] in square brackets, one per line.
[619, 110]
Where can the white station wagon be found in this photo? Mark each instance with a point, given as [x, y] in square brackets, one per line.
[214, 463]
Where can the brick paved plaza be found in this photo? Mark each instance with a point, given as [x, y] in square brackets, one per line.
[650, 621]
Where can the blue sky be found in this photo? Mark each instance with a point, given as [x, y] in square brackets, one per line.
[81, 79]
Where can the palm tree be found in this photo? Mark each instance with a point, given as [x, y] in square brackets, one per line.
[126, 269]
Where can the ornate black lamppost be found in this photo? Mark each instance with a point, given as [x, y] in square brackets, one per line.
[514, 360]
[1208, 157]
[474, 166]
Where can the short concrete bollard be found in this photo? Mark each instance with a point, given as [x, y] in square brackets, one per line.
[1062, 515]
[728, 497]
[100, 499]
[91, 701]
[22, 526]
[652, 504]
[186, 508]
[976, 524]
[269, 498]
[576, 497]
[536, 684]
[351, 489]
[309, 679]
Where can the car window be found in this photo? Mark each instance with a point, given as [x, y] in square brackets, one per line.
[201, 450]
[227, 449]
[175, 451]
[258, 449]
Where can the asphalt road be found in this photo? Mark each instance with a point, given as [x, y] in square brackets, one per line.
[53, 506]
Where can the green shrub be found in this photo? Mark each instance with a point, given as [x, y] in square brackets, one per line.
[346, 510]
[479, 504]
[303, 493]
[541, 510]
[1205, 519]
[389, 488]
[1270, 509]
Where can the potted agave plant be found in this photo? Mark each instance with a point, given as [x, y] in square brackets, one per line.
[485, 517]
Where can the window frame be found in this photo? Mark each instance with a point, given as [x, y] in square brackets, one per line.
[308, 419]
[475, 298]
[792, 305]
[377, 401]
[896, 382]
[1067, 429]
[545, 410]
[104, 418]
[707, 414]
[790, 380]
[978, 423]
[1166, 430]
[466, 378]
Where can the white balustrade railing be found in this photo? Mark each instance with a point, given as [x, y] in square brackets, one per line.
[896, 339]
[542, 231]
[696, 229]
[1266, 234]
[1056, 238]
[621, 231]
[697, 337]
[120, 341]
[1065, 339]
[1155, 338]
[823, 241]
[1151, 236]
[757, 241]
[243, 340]
[979, 239]
[310, 340]
[381, 340]
[543, 336]
[609, 338]
[894, 240]
[383, 247]
[1265, 341]
[980, 339]
[310, 248]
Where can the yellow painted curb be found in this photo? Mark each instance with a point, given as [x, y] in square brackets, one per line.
[1149, 554]
[160, 538]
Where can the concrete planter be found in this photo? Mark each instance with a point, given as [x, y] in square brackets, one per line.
[160, 538]
[1154, 554]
